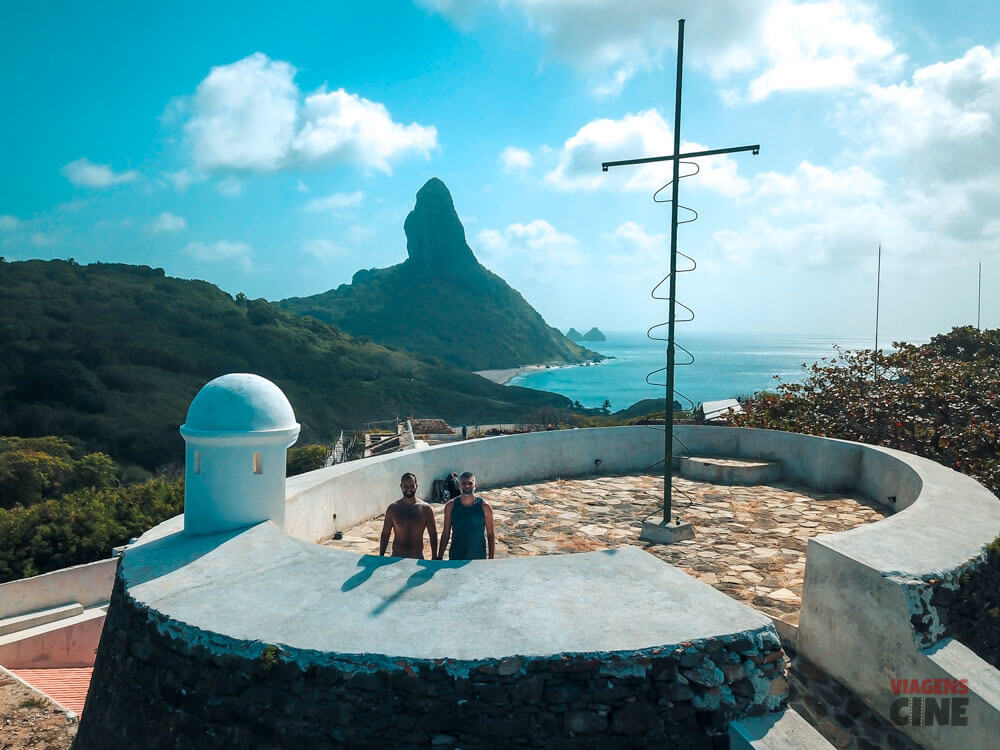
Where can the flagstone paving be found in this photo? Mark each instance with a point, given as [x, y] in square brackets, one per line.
[750, 542]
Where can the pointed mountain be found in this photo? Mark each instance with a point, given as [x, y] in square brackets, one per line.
[574, 335]
[440, 302]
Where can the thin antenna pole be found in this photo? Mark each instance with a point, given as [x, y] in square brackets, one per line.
[878, 290]
[668, 438]
[979, 300]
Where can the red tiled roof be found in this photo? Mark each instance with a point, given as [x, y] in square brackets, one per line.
[68, 686]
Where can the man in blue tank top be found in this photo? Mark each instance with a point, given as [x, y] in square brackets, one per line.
[468, 520]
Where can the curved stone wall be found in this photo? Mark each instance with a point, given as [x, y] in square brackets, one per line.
[173, 694]
[210, 600]
[867, 616]
[256, 639]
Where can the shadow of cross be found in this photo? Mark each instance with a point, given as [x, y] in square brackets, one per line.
[425, 571]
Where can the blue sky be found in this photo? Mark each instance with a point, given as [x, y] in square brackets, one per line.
[277, 151]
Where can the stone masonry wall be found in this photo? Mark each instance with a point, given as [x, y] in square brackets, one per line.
[160, 691]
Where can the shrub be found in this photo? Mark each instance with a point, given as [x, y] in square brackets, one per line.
[938, 400]
[303, 458]
[81, 526]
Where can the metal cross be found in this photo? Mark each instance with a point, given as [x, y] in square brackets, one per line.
[676, 159]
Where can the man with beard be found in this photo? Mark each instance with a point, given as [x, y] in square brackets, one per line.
[468, 519]
[406, 519]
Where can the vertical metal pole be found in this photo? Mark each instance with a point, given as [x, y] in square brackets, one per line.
[878, 290]
[668, 447]
[979, 299]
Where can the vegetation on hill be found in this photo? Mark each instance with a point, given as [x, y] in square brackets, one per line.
[109, 356]
[57, 510]
[82, 525]
[32, 469]
[940, 400]
[441, 302]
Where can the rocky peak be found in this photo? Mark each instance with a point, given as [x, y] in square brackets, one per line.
[434, 235]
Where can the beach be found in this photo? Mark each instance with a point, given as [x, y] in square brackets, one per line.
[505, 376]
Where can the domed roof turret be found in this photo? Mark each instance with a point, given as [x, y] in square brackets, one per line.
[239, 403]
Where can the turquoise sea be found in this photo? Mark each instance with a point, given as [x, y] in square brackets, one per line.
[725, 366]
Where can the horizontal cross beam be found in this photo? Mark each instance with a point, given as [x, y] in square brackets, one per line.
[694, 154]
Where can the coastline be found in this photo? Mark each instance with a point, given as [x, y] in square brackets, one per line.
[502, 377]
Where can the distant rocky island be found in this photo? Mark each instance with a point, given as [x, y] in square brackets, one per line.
[594, 334]
[441, 303]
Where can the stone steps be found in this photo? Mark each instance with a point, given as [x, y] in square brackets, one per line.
[21, 622]
[66, 642]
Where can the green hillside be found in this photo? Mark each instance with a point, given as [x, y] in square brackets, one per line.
[111, 355]
[441, 301]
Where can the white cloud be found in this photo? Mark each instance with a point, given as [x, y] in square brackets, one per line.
[323, 250]
[815, 46]
[247, 115]
[335, 203]
[244, 115]
[182, 179]
[302, 187]
[84, 173]
[230, 186]
[342, 127]
[632, 137]
[778, 44]
[536, 249]
[42, 239]
[945, 123]
[9, 223]
[223, 250]
[817, 217]
[168, 222]
[515, 159]
[635, 245]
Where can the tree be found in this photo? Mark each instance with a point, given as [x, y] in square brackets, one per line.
[938, 400]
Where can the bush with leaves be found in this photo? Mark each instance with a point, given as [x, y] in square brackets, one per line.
[81, 526]
[32, 469]
[940, 400]
[303, 458]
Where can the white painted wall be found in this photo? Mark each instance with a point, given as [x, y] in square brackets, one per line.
[89, 585]
[66, 643]
[226, 493]
[855, 620]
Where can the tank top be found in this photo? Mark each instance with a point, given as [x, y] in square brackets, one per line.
[468, 531]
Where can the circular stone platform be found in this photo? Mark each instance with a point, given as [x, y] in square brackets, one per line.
[256, 634]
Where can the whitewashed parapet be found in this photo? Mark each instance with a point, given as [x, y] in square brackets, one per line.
[862, 588]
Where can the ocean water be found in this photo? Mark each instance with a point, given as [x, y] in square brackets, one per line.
[725, 366]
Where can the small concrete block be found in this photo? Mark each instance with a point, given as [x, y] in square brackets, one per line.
[722, 470]
[666, 533]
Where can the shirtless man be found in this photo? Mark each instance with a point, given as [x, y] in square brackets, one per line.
[407, 518]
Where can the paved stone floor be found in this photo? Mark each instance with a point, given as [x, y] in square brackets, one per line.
[750, 542]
